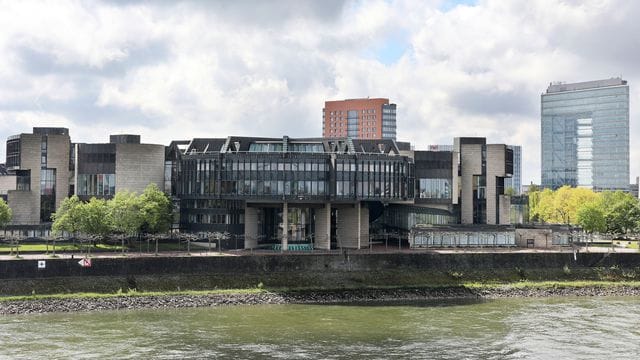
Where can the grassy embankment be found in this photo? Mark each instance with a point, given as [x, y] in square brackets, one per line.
[531, 285]
[190, 284]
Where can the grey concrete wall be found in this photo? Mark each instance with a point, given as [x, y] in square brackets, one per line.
[364, 227]
[250, 227]
[7, 182]
[323, 228]
[455, 183]
[542, 238]
[138, 165]
[495, 169]
[348, 226]
[504, 209]
[471, 164]
[352, 226]
[58, 147]
[26, 204]
[311, 264]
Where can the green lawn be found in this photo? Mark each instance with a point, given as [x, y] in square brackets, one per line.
[626, 243]
[6, 248]
[66, 246]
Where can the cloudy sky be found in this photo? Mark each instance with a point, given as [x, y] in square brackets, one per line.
[172, 70]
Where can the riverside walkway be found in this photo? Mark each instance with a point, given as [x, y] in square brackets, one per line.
[198, 252]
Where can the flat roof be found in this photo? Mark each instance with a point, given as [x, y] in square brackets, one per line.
[556, 87]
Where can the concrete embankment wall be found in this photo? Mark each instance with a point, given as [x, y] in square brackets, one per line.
[419, 269]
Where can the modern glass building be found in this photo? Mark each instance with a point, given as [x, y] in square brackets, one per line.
[515, 181]
[315, 192]
[585, 135]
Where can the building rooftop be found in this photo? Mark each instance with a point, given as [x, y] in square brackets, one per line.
[556, 87]
[358, 99]
[292, 145]
[50, 131]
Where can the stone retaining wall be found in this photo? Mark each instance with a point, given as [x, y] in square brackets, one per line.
[313, 264]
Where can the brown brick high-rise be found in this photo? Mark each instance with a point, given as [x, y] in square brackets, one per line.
[359, 119]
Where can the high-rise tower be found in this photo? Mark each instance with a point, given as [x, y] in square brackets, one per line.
[359, 119]
[585, 135]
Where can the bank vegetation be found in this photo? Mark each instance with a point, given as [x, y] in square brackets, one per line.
[607, 212]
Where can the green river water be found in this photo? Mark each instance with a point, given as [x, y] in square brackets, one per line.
[539, 328]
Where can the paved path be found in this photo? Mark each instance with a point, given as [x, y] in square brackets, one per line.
[375, 250]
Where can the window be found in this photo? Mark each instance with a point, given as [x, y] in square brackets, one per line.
[435, 189]
[96, 184]
[23, 180]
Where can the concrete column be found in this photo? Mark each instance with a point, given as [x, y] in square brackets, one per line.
[504, 209]
[471, 164]
[352, 223]
[359, 228]
[250, 227]
[285, 227]
[495, 169]
[364, 227]
[323, 228]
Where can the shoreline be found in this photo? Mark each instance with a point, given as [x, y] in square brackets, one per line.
[136, 301]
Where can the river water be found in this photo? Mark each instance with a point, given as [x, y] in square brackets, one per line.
[539, 328]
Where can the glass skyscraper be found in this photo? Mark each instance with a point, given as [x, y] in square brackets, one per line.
[585, 135]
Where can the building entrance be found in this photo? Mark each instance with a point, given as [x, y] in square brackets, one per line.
[299, 225]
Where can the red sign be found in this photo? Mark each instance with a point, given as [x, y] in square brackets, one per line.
[85, 262]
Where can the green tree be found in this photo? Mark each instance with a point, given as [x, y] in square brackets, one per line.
[591, 218]
[156, 209]
[534, 203]
[5, 217]
[534, 188]
[544, 208]
[95, 218]
[562, 205]
[622, 213]
[67, 217]
[5, 213]
[126, 215]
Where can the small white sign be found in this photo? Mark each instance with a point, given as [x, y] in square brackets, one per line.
[42, 264]
[86, 262]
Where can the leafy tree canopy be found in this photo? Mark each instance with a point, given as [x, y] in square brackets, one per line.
[156, 209]
[5, 213]
[67, 217]
[126, 213]
[613, 212]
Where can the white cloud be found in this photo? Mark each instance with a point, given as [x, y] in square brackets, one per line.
[183, 70]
